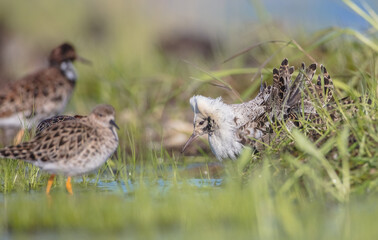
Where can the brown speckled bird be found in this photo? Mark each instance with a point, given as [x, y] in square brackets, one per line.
[71, 147]
[42, 94]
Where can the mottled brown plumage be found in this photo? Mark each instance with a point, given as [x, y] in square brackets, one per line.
[71, 147]
[301, 97]
[42, 94]
[54, 120]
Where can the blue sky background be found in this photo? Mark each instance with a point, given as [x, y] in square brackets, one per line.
[215, 14]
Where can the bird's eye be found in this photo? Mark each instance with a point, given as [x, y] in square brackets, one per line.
[201, 123]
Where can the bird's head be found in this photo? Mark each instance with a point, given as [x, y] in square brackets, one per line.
[211, 116]
[65, 52]
[104, 116]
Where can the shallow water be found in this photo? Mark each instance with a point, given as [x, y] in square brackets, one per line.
[160, 184]
[200, 175]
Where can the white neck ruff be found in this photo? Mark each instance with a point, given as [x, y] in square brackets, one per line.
[223, 141]
[68, 70]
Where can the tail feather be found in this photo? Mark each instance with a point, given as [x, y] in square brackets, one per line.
[324, 89]
[321, 91]
[298, 85]
[21, 151]
[283, 80]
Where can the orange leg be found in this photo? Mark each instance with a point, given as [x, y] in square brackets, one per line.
[19, 136]
[69, 186]
[49, 183]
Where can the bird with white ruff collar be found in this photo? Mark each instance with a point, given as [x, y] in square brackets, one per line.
[230, 127]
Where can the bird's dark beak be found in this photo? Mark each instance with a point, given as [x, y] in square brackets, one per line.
[83, 60]
[190, 140]
[78, 116]
[113, 123]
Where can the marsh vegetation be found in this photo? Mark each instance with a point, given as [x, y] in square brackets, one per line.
[297, 189]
